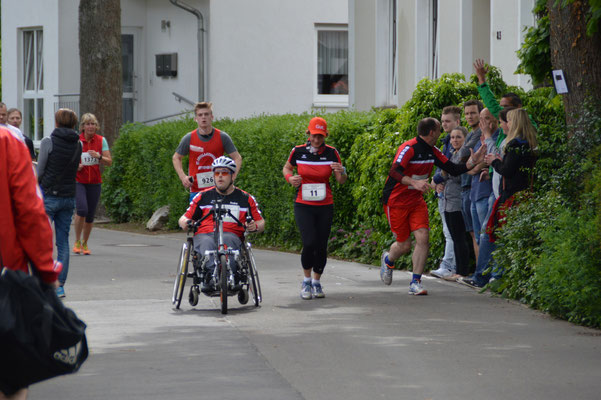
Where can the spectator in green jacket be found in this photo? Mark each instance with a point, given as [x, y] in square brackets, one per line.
[507, 100]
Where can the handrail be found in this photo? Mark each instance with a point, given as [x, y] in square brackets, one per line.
[167, 116]
[179, 98]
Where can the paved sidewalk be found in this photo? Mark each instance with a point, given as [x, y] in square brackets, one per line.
[363, 341]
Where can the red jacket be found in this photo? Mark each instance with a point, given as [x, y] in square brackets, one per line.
[25, 233]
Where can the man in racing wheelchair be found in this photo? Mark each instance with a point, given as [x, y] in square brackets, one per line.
[240, 204]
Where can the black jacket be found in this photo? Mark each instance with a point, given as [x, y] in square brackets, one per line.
[61, 167]
[516, 168]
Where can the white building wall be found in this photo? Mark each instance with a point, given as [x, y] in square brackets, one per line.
[466, 30]
[450, 25]
[363, 46]
[263, 54]
[37, 15]
[68, 71]
[154, 93]
[509, 17]
[260, 55]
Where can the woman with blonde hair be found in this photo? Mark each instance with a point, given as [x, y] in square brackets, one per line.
[516, 168]
[95, 153]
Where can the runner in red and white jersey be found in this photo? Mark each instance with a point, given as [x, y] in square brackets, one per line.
[204, 145]
[403, 200]
[314, 205]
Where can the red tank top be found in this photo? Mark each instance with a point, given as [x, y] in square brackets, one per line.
[202, 155]
[90, 173]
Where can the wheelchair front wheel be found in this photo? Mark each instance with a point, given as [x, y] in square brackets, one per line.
[182, 272]
[223, 282]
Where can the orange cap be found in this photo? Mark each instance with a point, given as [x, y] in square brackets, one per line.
[318, 126]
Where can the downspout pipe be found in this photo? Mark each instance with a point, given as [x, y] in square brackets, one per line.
[200, 39]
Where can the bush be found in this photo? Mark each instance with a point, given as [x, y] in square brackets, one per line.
[569, 270]
[550, 246]
[367, 142]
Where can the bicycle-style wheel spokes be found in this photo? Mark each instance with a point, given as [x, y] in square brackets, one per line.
[255, 284]
[180, 278]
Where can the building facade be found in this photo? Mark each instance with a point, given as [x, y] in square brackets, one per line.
[247, 57]
[396, 43]
[256, 57]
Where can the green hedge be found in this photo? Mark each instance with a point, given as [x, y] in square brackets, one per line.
[142, 178]
[549, 247]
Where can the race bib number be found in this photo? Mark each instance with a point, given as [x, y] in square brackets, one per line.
[418, 178]
[204, 179]
[234, 210]
[314, 191]
[87, 159]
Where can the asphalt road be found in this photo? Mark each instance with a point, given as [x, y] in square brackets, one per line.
[363, 341]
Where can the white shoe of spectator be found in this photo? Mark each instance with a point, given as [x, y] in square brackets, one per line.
[442, 273]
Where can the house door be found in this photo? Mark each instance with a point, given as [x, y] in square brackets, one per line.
[130, 76]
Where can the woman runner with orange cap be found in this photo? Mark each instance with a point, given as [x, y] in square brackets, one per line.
[314, 205]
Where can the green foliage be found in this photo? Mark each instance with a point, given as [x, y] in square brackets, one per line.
[535, 53]
[549, 248]
[569, 271]
[593, 16]
[551, 259]
[519, 244]
[142, 177]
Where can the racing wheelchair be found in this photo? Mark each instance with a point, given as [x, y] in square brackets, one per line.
[219, 276]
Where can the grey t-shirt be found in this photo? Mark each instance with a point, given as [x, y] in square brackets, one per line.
[183, 148]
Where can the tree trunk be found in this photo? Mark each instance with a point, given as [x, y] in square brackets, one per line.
[578, 55]
[101, 86]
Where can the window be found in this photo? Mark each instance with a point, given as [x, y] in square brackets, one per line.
[332, 65]
[127, 62]
[434, 38]
[394, 59]
[33, 83]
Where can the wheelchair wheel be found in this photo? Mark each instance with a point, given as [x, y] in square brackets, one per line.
[223, 277]
[193, 296]
[255, 284]
[182, 272]
[243, 296]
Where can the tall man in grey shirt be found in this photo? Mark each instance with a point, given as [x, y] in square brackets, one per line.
[203, 145]
[471, 111]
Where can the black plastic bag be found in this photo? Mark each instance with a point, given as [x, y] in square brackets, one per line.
[39, 337]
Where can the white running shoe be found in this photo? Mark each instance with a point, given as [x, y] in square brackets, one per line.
[442, 273]
[305, 293]
[318, 291]
[385, 270]
[416, 289]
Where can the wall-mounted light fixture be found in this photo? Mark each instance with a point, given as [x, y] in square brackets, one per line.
[165, 24]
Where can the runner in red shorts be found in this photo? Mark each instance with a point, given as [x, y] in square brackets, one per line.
[403, 199]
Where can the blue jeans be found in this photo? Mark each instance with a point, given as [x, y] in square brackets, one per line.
[485, 252]
[466, 209]
[479, 216]
[60, 211]
[448, 259]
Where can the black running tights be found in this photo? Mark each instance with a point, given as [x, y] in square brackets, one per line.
[314, 224]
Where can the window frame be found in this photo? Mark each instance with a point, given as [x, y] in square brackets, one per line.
[32, 95]
[327, 100]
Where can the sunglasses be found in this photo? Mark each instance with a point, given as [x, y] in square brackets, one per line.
[221, 173]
